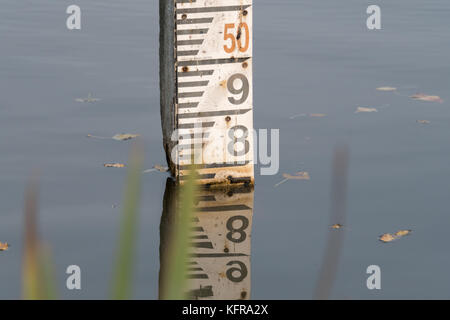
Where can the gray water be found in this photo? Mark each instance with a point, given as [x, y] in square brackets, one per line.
[309, 57]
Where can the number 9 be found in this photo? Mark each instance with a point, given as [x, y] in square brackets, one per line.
[244, 89]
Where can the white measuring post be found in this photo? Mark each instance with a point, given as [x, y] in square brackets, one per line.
[206, 89]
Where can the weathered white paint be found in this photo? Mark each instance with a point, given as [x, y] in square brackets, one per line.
[206, 70]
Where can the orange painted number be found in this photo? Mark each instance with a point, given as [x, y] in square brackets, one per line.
[247, 37]
[229, 36]
[242, 31]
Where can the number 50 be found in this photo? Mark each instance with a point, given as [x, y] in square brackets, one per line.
[238, 39]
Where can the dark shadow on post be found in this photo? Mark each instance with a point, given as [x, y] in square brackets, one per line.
[168, 221]
[167, 75]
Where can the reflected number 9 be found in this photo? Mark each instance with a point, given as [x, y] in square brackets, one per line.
[242, 269]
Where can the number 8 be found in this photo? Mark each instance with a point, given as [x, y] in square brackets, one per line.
[242, 139]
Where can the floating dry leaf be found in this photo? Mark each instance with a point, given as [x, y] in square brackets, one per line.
[157, 167]
[125, 136]
[427, 98]
[402, 233]
[161, 168]
[114, 165]
[387, 89]
[336, 226]
[423, 121]
[119, 137]
[301, 175]
[387, 237]
[4, 246]
[97, 137]
[312, 115]
[364, 109]
[298, 115]
[89, 99]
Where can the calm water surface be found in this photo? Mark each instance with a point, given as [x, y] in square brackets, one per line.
[310, 57]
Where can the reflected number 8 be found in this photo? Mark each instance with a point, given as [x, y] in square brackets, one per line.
[240, 230]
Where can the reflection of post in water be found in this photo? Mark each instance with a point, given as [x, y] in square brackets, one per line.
[220, 240]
